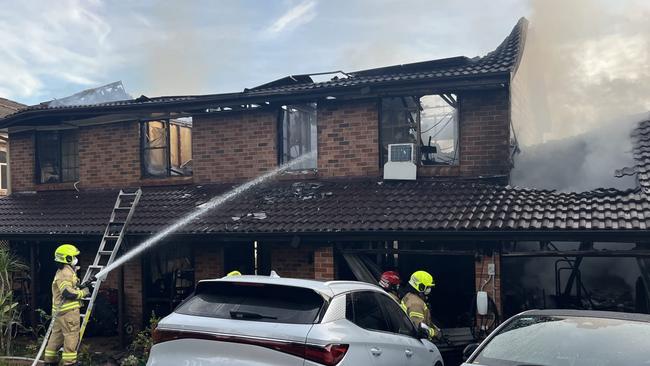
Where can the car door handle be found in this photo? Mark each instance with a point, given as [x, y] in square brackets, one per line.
[409, 353]
[375, 351]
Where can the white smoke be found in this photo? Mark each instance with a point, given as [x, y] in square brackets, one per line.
[586, 77]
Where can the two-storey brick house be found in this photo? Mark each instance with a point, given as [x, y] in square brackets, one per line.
[333, 216]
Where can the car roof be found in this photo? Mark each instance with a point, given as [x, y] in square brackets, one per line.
[589, 314]
[326, 288]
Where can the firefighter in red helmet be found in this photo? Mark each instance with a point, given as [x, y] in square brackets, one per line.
[390, 282]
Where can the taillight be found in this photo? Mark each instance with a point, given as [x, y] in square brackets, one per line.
[329, 355]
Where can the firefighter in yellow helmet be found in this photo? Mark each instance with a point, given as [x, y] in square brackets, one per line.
[66, 296]
[414, 303]
[233, 273]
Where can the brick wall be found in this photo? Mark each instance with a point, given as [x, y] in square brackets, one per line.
[109, 155]
[484, 133]
[493, 288]
[208, 262]
[348, 139]
[234, 146]
[324, 263]
[21, 155]
[305, 261]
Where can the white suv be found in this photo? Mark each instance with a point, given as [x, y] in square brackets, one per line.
[257, 320]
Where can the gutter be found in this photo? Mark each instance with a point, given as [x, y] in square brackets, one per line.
[492, 80]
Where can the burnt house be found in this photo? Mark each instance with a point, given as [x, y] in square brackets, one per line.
[451, 212]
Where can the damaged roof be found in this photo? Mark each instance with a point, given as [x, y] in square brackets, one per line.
[496, 69]
[8, 107]
[335, 207]
[641, 152]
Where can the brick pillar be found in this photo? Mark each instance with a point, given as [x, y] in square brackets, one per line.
[208, 262]
[133, 292]
[493, 288]
[324, 263]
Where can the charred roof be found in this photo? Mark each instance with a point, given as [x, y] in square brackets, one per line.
[493, 70]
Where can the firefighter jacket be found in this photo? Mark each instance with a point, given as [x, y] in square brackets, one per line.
[418, 311]
[65, 290]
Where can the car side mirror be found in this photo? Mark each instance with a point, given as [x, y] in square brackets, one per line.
[423, 331]
[469, 350]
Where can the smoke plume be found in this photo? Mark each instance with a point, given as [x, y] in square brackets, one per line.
[585, 76]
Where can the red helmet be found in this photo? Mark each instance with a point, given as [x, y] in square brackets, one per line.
[390, 280]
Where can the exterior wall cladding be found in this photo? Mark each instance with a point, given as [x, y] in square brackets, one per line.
[348, 146]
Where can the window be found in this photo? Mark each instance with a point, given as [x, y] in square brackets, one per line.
[3, 170]
[363, 309]
[430, 122]
[57, 156]
[299, 134]
[399, 322]
[166, 147]
[254, 301]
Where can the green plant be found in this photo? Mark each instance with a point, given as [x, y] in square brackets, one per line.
[141, 345]
[9, 309]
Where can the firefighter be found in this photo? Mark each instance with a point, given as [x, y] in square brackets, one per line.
[390, 282]
[414, 302]
[66, 296]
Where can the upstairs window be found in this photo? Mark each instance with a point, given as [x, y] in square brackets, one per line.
[3, 170]
[298, 134]
[166, 147]
[57, 156]
[429, 122]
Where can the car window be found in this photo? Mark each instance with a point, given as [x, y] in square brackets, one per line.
[363, 309]
[398, 321]
[566, 340]
[254, 301]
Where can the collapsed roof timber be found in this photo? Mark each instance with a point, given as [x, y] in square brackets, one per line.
[445, 75]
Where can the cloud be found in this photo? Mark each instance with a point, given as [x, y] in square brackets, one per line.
[300, 14]
[63, 41]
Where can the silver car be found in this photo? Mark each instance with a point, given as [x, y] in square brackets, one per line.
[566, 338]
[258, 320]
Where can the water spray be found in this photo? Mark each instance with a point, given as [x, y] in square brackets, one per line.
[200, 211]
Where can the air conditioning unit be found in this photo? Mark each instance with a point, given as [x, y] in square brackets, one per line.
[401, 162]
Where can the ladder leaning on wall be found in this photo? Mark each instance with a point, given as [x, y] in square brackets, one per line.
[108, 248]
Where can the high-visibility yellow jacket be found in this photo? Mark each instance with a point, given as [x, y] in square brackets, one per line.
[418, 311]
[65, 290]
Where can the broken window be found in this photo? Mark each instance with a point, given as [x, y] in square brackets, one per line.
[299, 134]
[3, 170]
[57, 156]
[167, 148]
[439, 130]
[429, 122]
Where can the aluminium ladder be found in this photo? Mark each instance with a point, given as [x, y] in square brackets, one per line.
[108, 249]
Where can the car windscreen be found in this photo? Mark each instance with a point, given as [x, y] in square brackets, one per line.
[566, 340]
[254, 301]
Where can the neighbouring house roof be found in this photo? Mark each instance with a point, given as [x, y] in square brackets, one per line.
[8, 107]
[336, 207]
[497, 67]
[641, 152]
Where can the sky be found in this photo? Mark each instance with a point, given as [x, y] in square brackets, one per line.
[51, 49]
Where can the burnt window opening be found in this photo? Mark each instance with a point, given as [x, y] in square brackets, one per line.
[429, 122]
[57, 156]
[298, 134]
[166, 147]
[3, 170]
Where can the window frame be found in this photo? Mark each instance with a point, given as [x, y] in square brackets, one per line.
[418, 154]
[37, 152]
[167, 126]
[4, 175]
[280, 134]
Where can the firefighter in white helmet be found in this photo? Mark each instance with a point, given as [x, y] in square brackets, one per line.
[414, 303]
[66, 296]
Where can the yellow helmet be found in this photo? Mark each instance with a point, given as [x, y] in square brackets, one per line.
[233, 273]
[65, 253]
[422, 281]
